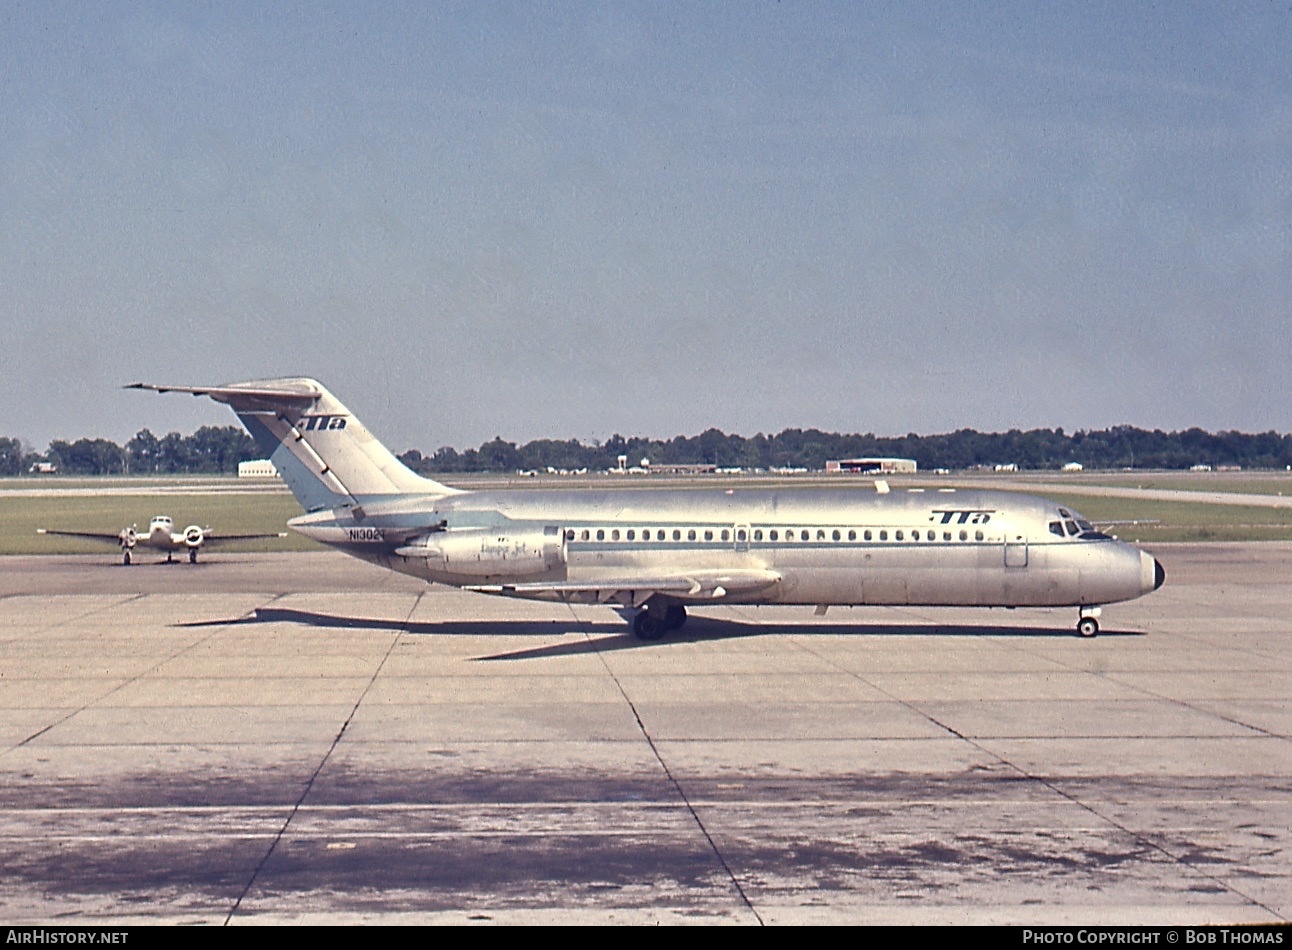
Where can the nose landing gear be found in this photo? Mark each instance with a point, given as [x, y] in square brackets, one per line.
[1088, 622]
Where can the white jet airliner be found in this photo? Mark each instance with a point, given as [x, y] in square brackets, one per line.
[659, 551]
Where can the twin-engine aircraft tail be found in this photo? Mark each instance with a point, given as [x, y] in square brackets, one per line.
[324, 454]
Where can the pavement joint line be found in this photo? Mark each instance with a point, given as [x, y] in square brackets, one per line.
[115, 689]
[309, 785]
[681, 792]
[1049, 784]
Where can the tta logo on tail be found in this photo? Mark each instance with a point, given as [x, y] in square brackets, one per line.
[315, 423]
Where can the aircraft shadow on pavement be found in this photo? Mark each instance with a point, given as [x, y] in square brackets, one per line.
[615, 636]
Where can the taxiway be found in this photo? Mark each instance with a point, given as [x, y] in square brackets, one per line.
[303, 738]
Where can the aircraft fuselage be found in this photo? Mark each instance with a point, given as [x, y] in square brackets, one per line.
[823, 546]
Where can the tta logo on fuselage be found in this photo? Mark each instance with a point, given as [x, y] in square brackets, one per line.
[316, 423]
[961, 516]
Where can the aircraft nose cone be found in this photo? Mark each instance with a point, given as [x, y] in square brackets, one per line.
[1151, 573]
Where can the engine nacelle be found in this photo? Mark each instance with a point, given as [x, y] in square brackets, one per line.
[193, 536]
[499, 553]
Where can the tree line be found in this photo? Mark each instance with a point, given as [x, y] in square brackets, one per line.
[209, 450]
[1118, 447]
[214, 449]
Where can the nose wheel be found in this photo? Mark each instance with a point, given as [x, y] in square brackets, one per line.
[1088, 622]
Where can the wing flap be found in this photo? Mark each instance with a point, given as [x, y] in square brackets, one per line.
[693, 588]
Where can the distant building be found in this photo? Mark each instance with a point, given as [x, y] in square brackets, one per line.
[260, 468]
[44, 468]
[1073, 467]
[883, 466]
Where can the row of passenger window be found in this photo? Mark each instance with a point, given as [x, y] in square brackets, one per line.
[744, 535]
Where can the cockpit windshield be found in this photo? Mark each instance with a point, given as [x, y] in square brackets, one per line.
[1071, 525]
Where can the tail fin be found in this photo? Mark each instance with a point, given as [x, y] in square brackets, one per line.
[323, 452]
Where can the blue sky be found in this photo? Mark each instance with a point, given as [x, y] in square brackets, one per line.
[570, 219]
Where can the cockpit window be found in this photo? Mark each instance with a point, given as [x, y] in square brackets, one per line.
[1056, 528]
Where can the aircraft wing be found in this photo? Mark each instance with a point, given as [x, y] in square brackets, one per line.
[695, 587]
[225, 538]
[92, 535]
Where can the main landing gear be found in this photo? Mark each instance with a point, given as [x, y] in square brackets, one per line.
[1088, 622]
[651, 625]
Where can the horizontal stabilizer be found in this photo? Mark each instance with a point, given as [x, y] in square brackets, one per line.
[297, 395]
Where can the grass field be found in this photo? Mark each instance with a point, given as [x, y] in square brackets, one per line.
[1182, 520]
[230, 512]
[223, 513]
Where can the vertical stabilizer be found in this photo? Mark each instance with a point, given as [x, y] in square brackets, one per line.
[324, 453]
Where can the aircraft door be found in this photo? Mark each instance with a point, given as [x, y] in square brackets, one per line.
[553, 547]
[1015, 550]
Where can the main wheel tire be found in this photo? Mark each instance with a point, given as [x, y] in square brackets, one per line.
[1087, 627]
[675, 617]
[125, 558]
[192, 555]
[648, 627]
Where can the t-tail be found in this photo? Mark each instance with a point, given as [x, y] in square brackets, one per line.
[324, 454]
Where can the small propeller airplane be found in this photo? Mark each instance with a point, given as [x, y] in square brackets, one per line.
[162, 536]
